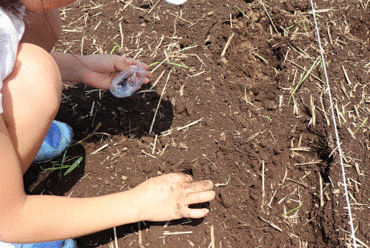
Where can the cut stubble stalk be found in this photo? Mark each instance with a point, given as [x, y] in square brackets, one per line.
[303, 79]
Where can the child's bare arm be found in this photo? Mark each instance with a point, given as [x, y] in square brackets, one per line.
[44, 5]
[93, 70]
[42, 218]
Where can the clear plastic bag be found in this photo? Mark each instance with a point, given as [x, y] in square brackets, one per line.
[128, 81]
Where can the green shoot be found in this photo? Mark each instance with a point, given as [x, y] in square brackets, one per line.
[154, 63]
[267, 117]
[73, 166]
[294, 209]
[115, 47]
[69, 168]
[63, 166]
[322, 67]
[361, 125]
[223, 184]
[303, 79]
[295, 24]
[170, 63]
[242, 12]
[304, 26]
[275, 69]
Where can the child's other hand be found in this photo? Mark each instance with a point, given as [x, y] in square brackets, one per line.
[168, 197]
[100, 69]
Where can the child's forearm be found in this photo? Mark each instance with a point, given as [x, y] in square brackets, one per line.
[93, 70]
[45, 218]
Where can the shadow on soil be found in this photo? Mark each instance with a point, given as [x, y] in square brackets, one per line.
[95, 111]
[107, 236]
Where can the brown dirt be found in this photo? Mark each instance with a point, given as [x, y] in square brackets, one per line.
[247, 119]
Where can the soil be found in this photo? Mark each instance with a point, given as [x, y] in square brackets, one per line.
[246, 79]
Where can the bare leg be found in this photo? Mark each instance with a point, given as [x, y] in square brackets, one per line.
[31, 99]
[42, 29]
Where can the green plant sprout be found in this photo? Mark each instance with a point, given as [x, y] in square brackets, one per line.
[170, 63]
[223, 184]
[296, 24]
[321, 73]
[303, 79]
[361, 125]
[115, 47]
[241, 11]
[294, 209]
[275, 69]
[267, 117]
[63, 166]
[304, 26]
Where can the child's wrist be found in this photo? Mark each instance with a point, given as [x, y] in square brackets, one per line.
[134, 210]
[71, 67]
[79, 69]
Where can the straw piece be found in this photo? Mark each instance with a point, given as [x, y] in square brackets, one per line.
[159, 103]
[223, 59]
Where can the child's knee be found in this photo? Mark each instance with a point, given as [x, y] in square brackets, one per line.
[37, 75]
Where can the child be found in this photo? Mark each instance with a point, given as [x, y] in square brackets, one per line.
[30, 90]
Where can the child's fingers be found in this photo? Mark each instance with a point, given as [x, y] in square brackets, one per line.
[181, 178]
[199, 186]
[201, 197]
[149, 75]
[145, 66]
[129, 61]
[122, 63]
[125, 63]
[193, 213]
[195, 198]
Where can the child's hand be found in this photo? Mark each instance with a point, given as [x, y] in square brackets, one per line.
[168, 197]
[99, 69]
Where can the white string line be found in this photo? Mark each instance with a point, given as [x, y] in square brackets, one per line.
[335, 128]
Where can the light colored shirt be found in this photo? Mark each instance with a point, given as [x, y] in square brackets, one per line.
[11, 32]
